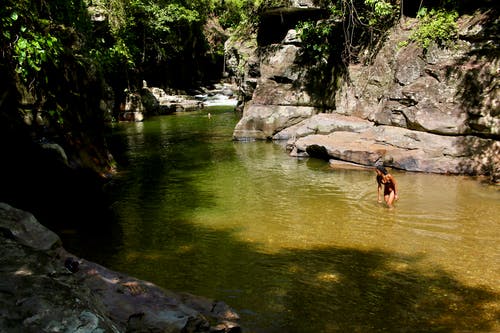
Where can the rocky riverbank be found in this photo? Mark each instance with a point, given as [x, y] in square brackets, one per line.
[434, 110]
[156, 101]
[44, 288]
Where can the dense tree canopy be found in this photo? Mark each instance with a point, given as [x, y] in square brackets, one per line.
[163, 41]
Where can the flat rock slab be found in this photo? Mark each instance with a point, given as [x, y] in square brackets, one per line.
[355, 141]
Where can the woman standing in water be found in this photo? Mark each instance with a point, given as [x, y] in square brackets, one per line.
[390, 188]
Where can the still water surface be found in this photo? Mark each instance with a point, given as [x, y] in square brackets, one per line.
[293, 245]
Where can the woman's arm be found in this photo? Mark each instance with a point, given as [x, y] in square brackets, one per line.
[379, 188]
[395, 187]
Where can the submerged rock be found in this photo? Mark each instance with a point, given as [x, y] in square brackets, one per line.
[44, 288]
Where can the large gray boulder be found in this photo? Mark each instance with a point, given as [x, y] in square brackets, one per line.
[448, 91]
[406, 149]
[264, 121]
[277, 102]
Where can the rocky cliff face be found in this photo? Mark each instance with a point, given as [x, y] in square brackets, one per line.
[434, 111]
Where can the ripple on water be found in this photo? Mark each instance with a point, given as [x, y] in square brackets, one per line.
[252, 221]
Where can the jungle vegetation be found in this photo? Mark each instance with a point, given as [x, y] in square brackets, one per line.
[68, 55]
[60, 60]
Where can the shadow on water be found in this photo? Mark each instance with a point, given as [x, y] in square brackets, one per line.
[327, 289]
[154, 178]
[316, 289]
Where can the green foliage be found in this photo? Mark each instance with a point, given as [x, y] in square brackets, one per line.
[403, 44]
[33, 50]
[335, 10]
[364, 23]
[115, 58]
[155, 31]
[158, 31]
[435, 25]
[146, 37]
[162, 18]
[315, 36]
[272, 3]
[44, 45]
[236, 13]
[376, 14]
[29, 42]
[230, 12]
[381, 9]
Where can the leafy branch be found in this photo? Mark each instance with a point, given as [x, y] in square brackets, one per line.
[435, 25]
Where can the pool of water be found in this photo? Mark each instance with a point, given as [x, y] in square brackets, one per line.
[292, 244]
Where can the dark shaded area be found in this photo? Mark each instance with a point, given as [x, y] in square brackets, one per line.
[482, 157]
[476, 74]
[317, 290]
[318, 152]
[189, 56]
[39, 181]
[330, 289]
[195, 66]
[324, 76]
[65, 200]
[338, 41]
[54, 154]
[275, 23]
[68, 200]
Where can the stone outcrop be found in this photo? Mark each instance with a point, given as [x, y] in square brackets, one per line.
[44, 288]
[159, 102]
[265, 120]
[435, 111]
[442, 91]
[359, 141]
[278, 101]
[133, 109]
[155, 101]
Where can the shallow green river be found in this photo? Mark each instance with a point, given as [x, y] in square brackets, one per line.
[292, 245]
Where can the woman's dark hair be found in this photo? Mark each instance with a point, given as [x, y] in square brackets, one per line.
[382, 169]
